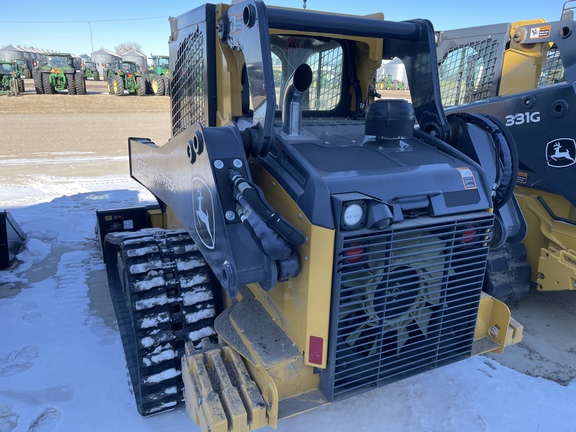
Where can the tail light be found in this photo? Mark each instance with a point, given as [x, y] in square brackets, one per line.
[354, 254]
[469, 234]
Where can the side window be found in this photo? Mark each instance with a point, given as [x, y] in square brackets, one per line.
[553, 70]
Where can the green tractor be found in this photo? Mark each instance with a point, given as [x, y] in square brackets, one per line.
[10, 81]
[159, 75]
[90, 71]
[25, 69]
[57, 72]
[125, 75]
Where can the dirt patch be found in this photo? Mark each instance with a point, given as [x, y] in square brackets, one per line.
[97, 100]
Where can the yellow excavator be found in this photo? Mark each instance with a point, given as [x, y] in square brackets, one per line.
[523, 73]
[311, 240]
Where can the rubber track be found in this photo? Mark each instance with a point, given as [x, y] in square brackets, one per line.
[508, 275]
[169, 301]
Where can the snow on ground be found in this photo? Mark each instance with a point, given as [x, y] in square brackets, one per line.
[62, 366]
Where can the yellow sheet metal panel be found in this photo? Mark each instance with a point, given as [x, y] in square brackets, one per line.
[550, 242]
[519, 60]
[271, 351]
[495, 328]
[156, 217]
[557, 270]
[304, 300]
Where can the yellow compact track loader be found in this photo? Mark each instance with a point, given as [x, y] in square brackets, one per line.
[523, 73]
[310, 242]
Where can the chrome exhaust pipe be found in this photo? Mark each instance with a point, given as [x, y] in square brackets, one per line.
[296, 86]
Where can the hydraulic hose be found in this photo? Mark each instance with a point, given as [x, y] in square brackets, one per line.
[255, 199]
[506, 151]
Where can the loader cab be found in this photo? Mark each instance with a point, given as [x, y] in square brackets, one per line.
[336, 90]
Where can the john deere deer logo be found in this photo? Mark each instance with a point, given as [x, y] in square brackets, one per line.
[561, 152]
[203, 208]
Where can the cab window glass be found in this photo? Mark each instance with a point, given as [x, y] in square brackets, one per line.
[325, 58]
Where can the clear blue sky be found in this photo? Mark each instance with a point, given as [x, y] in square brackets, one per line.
[77, 27]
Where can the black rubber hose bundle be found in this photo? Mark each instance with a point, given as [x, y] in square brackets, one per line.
[255, 199]
[505, 149]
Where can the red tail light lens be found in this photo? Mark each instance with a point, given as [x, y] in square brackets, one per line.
[355, 253]
[469, 235]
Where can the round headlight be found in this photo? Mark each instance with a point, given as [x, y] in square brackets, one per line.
[353, 215]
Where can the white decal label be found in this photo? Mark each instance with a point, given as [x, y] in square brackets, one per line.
[203, 208]
[467, 178]
[522, 118]
[561, 152]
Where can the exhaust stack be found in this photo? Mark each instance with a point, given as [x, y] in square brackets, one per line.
[296, 86]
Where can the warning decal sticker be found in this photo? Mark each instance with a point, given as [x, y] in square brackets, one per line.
[522, 178]
[540, 32]
[467, 178]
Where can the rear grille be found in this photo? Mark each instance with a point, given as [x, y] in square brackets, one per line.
[467, 72]
[189, 84]
[405, 300]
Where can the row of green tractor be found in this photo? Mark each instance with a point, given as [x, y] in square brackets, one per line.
[61, 71]
[127, 76]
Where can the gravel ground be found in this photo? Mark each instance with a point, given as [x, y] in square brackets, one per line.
[97, 100]
[40, 130]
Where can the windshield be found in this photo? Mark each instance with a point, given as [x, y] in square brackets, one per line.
[325, 58]
[58, 61]
[128, 67]
[5, 68]
[162, 62]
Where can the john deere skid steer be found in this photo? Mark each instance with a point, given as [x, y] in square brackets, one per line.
[523, 73]
[310, 242]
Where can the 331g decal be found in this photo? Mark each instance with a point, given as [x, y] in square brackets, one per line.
[522, 118]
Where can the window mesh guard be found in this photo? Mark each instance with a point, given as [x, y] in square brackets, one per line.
[553, 70]
[324, 94]
[467, 72]
[188, 84]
